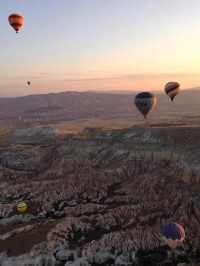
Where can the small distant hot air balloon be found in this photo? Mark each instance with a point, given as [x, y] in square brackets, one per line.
[22, 207]
[28, 83]
[172, 89]
[145, 102]
[174, 234]
[16, 21]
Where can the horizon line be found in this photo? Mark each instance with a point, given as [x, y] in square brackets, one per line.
[100, 91]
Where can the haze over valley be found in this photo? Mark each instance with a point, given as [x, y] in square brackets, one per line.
[69, 107]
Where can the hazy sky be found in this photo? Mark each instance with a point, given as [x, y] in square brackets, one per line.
[99, 44]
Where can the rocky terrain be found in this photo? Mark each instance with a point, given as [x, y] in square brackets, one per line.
[99, 197]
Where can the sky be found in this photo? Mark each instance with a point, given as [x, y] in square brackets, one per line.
[99, 45]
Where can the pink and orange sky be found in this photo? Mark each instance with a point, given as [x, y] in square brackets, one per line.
[99, 45]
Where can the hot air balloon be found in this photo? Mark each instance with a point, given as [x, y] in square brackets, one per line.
[22, 207]
[173, 234]
[145, 102]
[28, 83]
[16, 21]
[172, 89]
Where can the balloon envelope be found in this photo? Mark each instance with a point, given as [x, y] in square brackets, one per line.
[173, 233]
[172, 89]
[29, 83]
[22, 207]
[145, 102]
[16, 21]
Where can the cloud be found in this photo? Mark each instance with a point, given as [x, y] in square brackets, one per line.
[142, 76]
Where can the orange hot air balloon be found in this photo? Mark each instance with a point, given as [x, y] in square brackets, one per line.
[16, 21]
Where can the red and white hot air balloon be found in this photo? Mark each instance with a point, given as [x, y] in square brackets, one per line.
[172, 89]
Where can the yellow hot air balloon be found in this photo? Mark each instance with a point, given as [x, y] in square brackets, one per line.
[16, 21]
[22, 207]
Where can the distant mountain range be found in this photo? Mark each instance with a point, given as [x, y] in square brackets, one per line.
[86, 105]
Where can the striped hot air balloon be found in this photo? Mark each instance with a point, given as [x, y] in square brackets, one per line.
[173, 234]
[16, 21]
[22, 207]
[172, 89]
[145, 102]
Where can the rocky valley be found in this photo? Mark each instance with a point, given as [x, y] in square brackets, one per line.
[100, 196]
